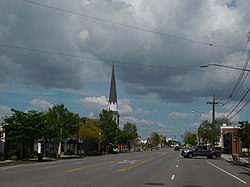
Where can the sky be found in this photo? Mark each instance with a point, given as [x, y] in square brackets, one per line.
[61, 52]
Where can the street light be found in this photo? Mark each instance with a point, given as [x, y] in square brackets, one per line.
[224, 66]
[201, 113]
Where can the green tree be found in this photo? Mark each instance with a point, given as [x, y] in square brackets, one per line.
[244, 134]
[121, 137]
[91, 134]
[208, 132]
[155, 138]
[24, 128]
[61, 124]
[130, 130]
[108, 126]
[190, 138]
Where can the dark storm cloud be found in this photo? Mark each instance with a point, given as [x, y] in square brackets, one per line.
[180, 78]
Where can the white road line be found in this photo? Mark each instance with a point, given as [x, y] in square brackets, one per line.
[177, 166]
[227, 172]
[49, 167]
[172, 178]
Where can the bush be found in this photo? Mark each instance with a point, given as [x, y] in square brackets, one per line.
[52, 155]
[12, 154]
[243, 155]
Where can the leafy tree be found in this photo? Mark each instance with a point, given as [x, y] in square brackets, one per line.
[90, 130]
[91, 134]
[61, 124]
[244, 133]
[108, 126]
[190, 138]
[223, 120]
[130, 130]
[121, 137]
[155, 138]
[24, 128]
[209, 132]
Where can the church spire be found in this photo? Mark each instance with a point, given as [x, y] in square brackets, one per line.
[112, 93]
[113, 105]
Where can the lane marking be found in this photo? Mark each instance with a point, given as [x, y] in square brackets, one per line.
[89, 166]
[128, 162]
[172, 178]
[177, 166]
[227, 172]
[49, 167]
[133, 166]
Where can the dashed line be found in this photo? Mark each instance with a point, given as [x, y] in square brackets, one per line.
[172, 178]
[227, 172]
[177, 165]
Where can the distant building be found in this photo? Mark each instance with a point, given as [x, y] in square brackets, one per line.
[113, 104]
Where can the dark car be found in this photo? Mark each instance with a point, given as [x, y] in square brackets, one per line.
[201, 150]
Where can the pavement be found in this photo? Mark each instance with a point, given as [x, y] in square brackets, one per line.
[243, 161]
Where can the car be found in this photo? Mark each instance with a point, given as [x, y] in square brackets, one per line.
[201, 150]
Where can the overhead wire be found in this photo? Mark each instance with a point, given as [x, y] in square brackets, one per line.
[241, 79]
[235, 90]
[94, 58]
[131, 26]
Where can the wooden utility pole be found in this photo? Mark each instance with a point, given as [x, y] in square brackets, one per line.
[213, 103]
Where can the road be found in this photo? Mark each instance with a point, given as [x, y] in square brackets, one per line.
[163, 167]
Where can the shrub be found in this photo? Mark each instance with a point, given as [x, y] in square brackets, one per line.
[12, 154]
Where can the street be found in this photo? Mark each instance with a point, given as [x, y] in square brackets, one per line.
[163, 167]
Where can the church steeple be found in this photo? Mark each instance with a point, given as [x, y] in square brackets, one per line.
[113, 105]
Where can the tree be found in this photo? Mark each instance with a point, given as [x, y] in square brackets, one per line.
[24, 128]
[155, 138]
[60, 124]
[244, 134]
[190, 138]
[223, 120]
[207, 132]
[91, 134]
[108, 126]
[130, 131]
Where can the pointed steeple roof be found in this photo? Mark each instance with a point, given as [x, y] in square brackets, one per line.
[112, 93]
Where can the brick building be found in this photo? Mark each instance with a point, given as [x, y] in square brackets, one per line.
[229, 141]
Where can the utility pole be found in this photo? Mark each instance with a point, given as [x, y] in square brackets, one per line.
[213, 103]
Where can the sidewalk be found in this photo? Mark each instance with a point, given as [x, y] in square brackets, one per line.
[242, 160]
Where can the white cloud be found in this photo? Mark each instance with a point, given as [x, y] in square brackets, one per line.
[4, 111]
[83, 35]
[178, 115]
[101, 101]
[41, 103]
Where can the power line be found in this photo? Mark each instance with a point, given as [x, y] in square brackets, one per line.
[132, 27]
[239, 103]
[93, 58]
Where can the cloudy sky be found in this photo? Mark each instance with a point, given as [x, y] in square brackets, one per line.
[62, 51]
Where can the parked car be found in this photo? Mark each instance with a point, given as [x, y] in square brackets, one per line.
[201, 150]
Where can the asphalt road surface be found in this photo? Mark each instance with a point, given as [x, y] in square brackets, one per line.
[164, 167]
